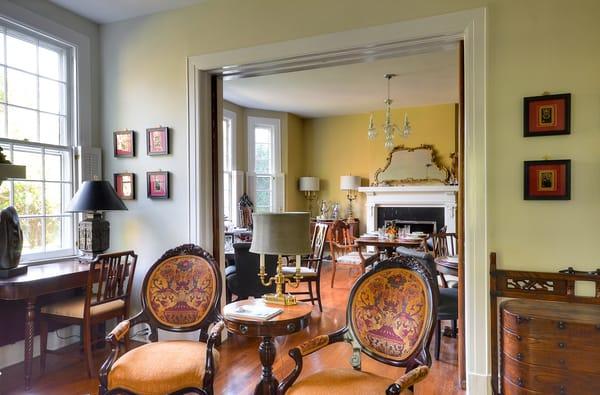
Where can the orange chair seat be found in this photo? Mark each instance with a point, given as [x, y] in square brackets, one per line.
[161, 368]
[73, 307]
[342, 382]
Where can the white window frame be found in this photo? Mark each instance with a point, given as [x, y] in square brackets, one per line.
[277, 178]
[230, 173]
[71, 137]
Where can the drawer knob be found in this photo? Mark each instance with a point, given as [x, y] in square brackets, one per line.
[562, 390]
[522, 320]
[562, 325]
[520, 382]
[519, 356]
[243, 329]
[562, 345]
[561, 361]
[291, 327]
[519, 337]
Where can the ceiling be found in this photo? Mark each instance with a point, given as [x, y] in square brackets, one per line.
[107, 11]
[423, 79]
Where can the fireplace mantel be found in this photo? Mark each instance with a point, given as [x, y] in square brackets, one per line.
[411, 196]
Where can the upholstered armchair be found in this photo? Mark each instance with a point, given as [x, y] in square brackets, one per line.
[180, 293]
[391, 316]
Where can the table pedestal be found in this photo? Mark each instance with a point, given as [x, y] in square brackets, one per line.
[268, 383]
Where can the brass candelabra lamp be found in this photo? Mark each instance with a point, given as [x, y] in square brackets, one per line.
[281, 234]
[350, 184]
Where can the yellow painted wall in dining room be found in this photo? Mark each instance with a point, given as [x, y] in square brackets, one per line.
[336, 146]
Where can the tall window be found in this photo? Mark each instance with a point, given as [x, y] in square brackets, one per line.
[265, 163]
[229, 198]
[35, 78]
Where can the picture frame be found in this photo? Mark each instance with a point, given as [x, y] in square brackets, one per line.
[547, 179]
[157, 184]
[157, 141]
[547, 115]
[125, 185]
[124, 144]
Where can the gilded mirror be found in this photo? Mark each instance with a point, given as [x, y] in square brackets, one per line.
[420, 165]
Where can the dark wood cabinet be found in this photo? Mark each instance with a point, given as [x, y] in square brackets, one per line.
[549, 348]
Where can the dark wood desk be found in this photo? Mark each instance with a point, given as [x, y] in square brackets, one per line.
[41, 280]
[293, 319]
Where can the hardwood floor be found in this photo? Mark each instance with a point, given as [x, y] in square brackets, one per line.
[239, 368]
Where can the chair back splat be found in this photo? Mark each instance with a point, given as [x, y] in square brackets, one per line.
[112, 277]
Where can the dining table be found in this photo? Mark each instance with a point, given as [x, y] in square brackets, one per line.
[447, 265]
[389, 245]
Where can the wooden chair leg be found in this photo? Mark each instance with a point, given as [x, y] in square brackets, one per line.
[454, 330]
[438, 339]
[333, 273]
[318, 285]
[87, 347]
[309, 284]
[43, 342]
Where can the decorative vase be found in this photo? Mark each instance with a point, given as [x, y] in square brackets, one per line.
[11, 239]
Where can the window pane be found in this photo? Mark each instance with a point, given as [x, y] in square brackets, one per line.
[50, 128]
[263, 135]
[31, 159]
[263, 198]
[263, 183]
[2, 120]
[53, 198]
[51, 63]
[2, 60]
[54, 166]
[28, 197]
[21, 52]
[32, 234]
[2, 93]
[52, 96]
[22, 88]
[22, 124]
[5, 194]
[262, 158]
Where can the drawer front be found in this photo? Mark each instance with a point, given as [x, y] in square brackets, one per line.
[573, 354]
[509, 388]
[549, 380]
[527, 326]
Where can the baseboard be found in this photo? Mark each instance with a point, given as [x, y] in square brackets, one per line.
[12, 354]
[479, 384]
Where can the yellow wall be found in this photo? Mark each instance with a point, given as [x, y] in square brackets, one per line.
[337, 146]
[533, 46]
[296, 159]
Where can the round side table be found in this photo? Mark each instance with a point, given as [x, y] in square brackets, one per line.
[293, 319]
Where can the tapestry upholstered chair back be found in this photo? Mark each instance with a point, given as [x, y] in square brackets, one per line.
[391, 316]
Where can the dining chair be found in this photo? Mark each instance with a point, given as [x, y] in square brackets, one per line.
[448, 297]
[345, 252]
[445, 244]
[180, 293]
[107, 294]
[390, 317]
[310, 268]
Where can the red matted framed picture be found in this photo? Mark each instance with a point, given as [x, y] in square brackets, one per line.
[158, 184]
[124, 144]
[125, 185]
[547, 115]
[157, 141]
[547, 179]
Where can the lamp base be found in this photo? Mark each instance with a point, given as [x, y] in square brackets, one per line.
[12, 272]
[287, 300]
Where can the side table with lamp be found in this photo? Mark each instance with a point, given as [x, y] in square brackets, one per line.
[350, 185]
[310, 186]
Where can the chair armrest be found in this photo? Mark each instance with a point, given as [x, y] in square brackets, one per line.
[214, 337]
[408, 380]
[304, 349]
[119, 332]
[215, 331]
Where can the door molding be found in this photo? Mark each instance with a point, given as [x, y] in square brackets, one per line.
[304, 53]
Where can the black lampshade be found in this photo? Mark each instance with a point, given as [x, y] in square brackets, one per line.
[96, 196]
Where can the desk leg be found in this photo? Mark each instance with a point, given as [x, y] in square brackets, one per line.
[268, 383]
[29, 334]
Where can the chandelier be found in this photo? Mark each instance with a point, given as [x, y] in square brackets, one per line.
[389, 127]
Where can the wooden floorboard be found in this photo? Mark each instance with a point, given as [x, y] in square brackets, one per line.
[239, 367]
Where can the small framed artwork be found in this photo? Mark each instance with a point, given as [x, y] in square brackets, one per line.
[157, 141]
[124, 144]
[125, 185]
[158, 184]
[547, 180]
[547, 115]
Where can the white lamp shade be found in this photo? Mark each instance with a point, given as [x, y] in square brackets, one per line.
[309, 184]
[281, 233]
[349, 183]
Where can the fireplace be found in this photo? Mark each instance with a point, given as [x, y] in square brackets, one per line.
[426, 208]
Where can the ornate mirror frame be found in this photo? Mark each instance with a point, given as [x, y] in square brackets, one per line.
[435, 160]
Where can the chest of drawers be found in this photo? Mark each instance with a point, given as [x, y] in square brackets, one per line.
[549, 348]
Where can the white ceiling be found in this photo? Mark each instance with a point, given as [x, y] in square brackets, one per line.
[107, 11]
[423, 79]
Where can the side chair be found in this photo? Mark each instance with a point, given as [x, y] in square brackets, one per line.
[310, 268]
[345, 252]
[180, 293]
[390, 317]
[107, 294]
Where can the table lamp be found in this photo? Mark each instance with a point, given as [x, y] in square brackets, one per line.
[310, 187]
[350, 184]
[280, 234]
[92, 198]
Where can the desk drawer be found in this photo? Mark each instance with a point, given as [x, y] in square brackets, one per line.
[533, 327]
